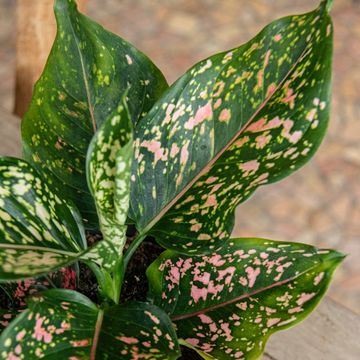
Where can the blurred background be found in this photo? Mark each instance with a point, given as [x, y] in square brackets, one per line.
[320, 204]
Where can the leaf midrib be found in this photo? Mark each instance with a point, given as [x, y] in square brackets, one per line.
[96, 336]
[87, 88]
[37, 248]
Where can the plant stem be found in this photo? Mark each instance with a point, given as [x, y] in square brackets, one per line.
[132, 248]
[110, 284]
[117, 279]
[104, 281]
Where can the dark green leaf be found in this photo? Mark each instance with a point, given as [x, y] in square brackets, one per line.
[86, 75]
[39, 231]
[235, 121]
[228, 303]
[63, 324]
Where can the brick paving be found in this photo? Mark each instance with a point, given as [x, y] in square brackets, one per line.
[320, 204]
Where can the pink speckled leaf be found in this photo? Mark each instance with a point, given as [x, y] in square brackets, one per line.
[64, 324]
[233, 122]
[227, 304]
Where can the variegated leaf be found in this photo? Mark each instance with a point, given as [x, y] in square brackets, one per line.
[86, 75]
[108, 171]
[39, 231]
[235, 121]
[227, 304]
[63, 324]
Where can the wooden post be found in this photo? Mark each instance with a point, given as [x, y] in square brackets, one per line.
[36, 31]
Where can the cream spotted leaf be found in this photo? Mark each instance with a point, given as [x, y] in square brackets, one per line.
[228, 303]
[108, 172]
[64, 324]
[233, 122]
[87, 73]
[39, 231]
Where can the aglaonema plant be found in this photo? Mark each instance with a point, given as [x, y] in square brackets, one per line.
[108, 145]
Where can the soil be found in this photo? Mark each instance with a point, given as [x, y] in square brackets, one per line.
[135, 283]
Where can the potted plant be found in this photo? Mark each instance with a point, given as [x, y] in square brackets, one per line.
[115, 161]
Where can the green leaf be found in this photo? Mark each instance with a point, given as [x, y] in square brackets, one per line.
[228, 303]
[63, 324]
[39, 231]
[87, 73]
[233, 122]
[108, 172]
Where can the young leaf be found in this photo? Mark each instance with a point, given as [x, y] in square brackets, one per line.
[227, 304]
[39, 231]
[87, 73]
[68, 324]
[108, 172]
[234, 121]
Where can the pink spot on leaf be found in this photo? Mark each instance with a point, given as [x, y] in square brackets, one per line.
[267, 58]
[318, 278]
[152, 317]
[225, 115]
[304, 297]
[192, 341]
[203, 113]
[289, 98]
[211, 201]
[205, 319]
[128, 340]
[154, 147]
[262, 125]
[249, 166]
[174, 150]
[80, 343]
[252, 274]
[197, 293]
[184, 154]
[216, 260]
[272, 322]
[262, 141]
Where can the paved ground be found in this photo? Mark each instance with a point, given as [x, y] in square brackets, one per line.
[321, 203]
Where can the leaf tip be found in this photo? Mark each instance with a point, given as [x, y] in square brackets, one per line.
[334, 258]
[327, 4]
[64, 5]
